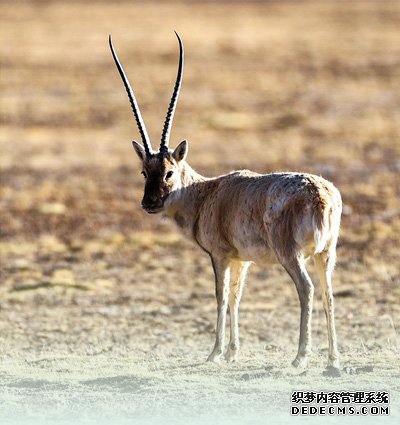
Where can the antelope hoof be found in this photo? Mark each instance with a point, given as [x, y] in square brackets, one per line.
[215, 356]
[300, 362]
[232, 355]
[332, 372]
[333, 362]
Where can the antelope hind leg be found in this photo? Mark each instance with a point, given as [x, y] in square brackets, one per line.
[324, 263]
[305, 289]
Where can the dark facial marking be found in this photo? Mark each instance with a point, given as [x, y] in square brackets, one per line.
[156, 188]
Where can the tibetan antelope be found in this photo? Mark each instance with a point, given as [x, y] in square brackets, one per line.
[244, 217]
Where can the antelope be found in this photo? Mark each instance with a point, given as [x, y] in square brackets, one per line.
[244, 217]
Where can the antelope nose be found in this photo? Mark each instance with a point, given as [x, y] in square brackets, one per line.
[149, 201]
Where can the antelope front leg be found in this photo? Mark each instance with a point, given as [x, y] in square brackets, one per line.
[222, 276]
[305, 290]
[238, 277]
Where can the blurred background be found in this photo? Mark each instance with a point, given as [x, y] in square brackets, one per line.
[277, 85]
[298, 85]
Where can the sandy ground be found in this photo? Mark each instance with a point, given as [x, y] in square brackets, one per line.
[132, 343]
[107, 315]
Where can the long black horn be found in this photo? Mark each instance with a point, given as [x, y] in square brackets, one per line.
[133, 101]
[174, 99]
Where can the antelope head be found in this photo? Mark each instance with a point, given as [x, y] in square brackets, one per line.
[162, 170]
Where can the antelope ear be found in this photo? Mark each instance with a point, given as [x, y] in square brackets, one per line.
[140, 152]
[180, 152]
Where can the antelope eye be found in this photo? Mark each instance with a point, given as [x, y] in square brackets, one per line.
[169, 175]
[144, 174]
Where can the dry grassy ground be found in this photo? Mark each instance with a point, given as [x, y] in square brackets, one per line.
[106, 314]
